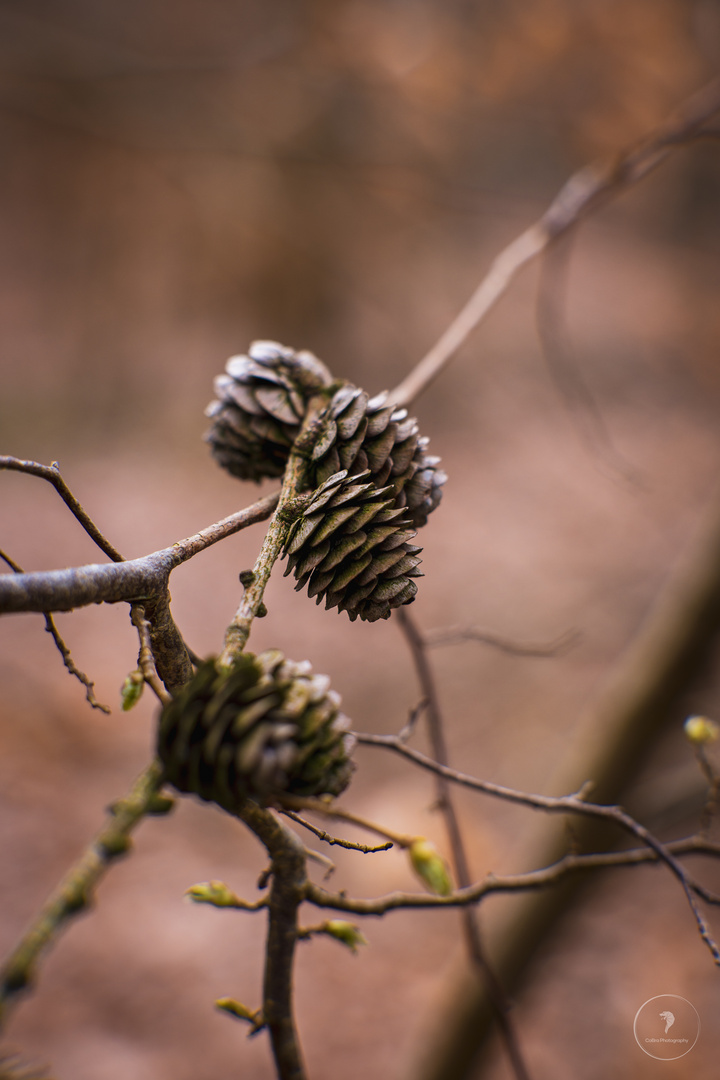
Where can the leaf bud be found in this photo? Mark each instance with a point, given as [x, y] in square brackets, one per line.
[430, 867]
[700, 731]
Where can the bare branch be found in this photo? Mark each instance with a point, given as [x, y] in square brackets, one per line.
[573, 804]
[62, 648]
[146, 660]
[531, 881]
[461, 864]
[455, 635]
[289, 880]
[334, 840]
[136, 579]
[550, 322]
[583, 193]
[51, 473]
[75, 891]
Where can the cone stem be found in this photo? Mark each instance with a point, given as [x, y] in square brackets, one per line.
[290, 504]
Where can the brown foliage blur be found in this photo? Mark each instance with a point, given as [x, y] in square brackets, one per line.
[179, 180]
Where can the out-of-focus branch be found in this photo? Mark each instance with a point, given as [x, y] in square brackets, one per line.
[75, 891]
[461, 865]
[456, 635]
[583, 193]
[641, 694]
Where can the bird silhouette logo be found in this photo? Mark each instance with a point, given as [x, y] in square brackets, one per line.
[669, 1019]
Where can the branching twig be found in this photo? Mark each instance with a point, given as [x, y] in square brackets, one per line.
[573, 804]
[335, 840]
[530, 881]
[583, 193]
[135, 579]
[75, 891]
[62, 648]
[287, 892]
[146, 660]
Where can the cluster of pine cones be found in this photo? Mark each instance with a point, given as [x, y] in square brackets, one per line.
[373, 481]
[269, 726]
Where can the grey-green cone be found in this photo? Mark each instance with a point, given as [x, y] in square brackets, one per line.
[351, 547]
[260, 403]
[269, 726]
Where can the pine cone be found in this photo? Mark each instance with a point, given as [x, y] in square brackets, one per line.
[351, 547]
[261, 401]
[365, 434]
[267, 727]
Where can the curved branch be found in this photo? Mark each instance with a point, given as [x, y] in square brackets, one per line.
[515, 883]
[51, 473]
[583, 193]
[111, 583]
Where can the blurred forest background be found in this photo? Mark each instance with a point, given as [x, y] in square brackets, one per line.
[337, 175]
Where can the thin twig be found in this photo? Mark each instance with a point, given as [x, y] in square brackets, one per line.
[573, 804]
[461, 864]
[330, 810]
[51, 473]
[335, 840]
[62, 648]
[146, 659]
[75, 891]
[583, 193]
[550, 323]
[455, 635]
[530, 881]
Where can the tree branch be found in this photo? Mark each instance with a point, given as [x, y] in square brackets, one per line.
[75, 892]
[461, 865]
[583, 193]
[137, 579]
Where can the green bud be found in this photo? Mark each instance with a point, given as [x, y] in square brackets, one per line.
[700, 731]
[131, 690]
[345, 932]
[430, 867]
[216, 893]
[236, 1008]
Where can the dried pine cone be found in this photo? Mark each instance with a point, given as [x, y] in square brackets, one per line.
[261, 401]
[269, 726]
[362, 434]
[351, 547]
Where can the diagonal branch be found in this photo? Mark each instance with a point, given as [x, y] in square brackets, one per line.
[75, 891]
[583, 193]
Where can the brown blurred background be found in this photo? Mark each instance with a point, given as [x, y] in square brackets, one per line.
[177, 180]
